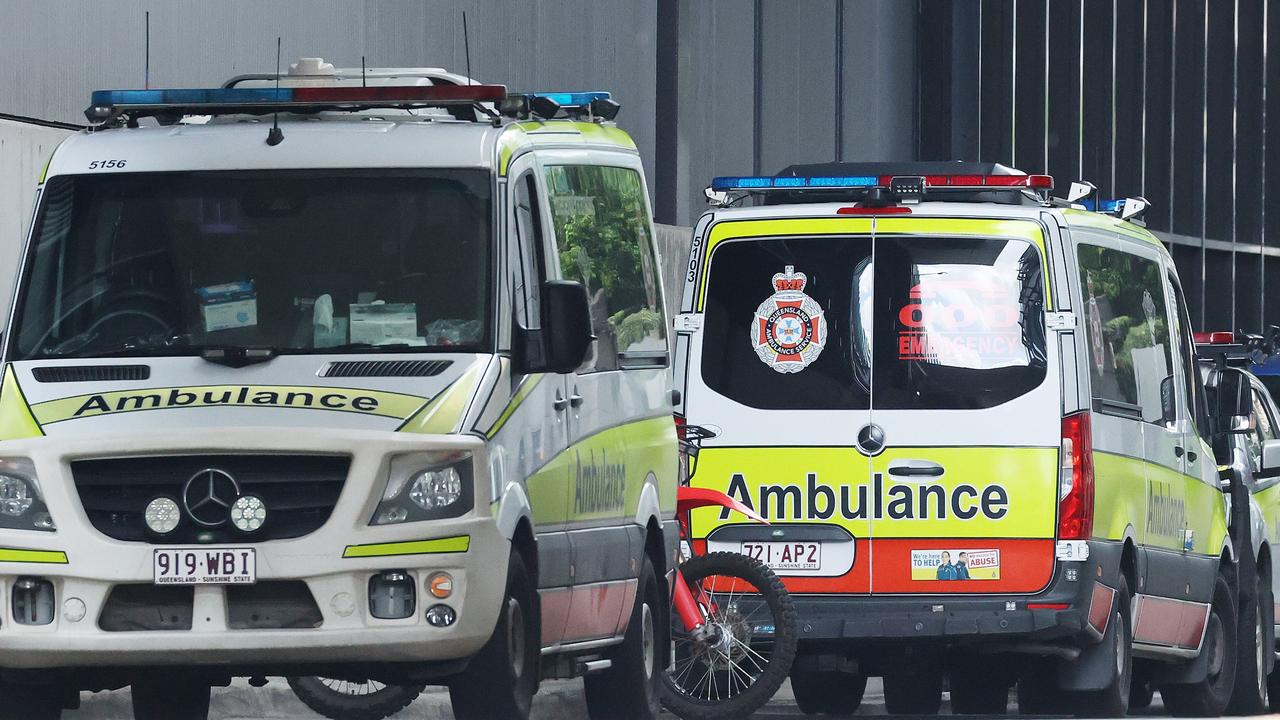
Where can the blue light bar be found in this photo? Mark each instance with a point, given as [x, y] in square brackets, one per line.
[571, 99]
[1103, 206]
[191, 96]
[785, 183]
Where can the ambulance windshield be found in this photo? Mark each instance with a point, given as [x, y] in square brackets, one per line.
[931, 323]
[297, 261]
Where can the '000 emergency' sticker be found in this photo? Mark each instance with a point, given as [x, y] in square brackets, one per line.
[789, 330]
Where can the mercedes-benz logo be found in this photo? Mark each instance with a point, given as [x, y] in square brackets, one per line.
[871, 439]
[208, 495]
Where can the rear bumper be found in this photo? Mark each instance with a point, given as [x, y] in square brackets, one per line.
[1059, 614]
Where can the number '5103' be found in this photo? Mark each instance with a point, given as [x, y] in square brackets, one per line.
[106, 164]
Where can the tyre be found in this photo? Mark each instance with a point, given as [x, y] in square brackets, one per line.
[1209, 697]
[630, 688]
[828, 692]
[745, 652]
[345, 699]
[913, 692]
[1249, 694]
[979, 686]
[170, 697]
[1141, 693]
[29, 702]
[501, 679]
[1038, 692]
[1113, 700]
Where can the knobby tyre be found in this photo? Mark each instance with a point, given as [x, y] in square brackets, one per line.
[343, 699]
[737, 667]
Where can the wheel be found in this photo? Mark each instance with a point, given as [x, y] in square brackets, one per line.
[501, 679]
[1141, 693]
[630, 688]
[738, 660]
[978, 686]
[29, 702]
[913, 692]
[170, 697]
[344, 699]
[1113, 700]
[1249, 694]
[828, 692]
[1209, 697]
[1038, 692]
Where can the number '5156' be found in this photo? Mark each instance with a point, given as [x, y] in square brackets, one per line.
[106, 164]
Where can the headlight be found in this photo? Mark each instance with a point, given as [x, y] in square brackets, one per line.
[426, 486]
[21, 504]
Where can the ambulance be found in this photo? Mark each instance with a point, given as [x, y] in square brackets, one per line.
[352, 373]
[973, 415]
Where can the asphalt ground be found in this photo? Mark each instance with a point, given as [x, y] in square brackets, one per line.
[559, 700]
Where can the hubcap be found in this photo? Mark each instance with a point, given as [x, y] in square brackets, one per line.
[515, 636]
[1215, 646]
[648, 642]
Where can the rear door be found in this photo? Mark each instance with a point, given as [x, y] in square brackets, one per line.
[777, 371]
[966, 398]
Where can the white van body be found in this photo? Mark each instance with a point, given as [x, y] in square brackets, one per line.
[388, 262]
[902, 387]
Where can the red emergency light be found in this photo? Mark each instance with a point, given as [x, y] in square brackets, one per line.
[1035, 182]
[1214, 338]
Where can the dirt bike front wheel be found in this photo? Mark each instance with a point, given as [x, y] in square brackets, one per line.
[734, 664]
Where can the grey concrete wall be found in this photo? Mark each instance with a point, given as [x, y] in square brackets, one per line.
[830, 79]
[673, 258]
[55, 52]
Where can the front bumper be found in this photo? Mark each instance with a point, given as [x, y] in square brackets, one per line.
[1058, 613]
[335, 563]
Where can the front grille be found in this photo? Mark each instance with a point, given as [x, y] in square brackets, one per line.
[299, 491]
[131, 608]
[272, 605]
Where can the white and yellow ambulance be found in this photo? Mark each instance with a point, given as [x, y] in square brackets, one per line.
[973, 416]
[349, 373]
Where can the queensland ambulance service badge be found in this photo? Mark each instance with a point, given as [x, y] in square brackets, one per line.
[788, 330]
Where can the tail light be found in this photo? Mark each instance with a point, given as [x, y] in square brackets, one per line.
[1075, 479]
[680, 427]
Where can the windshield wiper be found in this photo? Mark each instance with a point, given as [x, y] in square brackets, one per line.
[235, 356]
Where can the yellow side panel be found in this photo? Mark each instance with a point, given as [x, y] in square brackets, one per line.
[16, 421]
[1119, 496]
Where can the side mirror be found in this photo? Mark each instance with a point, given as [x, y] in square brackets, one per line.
[1232, 401]
[1168, 403]
[1271, 455]
[562, 343]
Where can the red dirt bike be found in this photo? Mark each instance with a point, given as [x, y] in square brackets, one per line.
[733, 625]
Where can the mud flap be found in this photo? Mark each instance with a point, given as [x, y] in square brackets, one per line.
[1095, 669]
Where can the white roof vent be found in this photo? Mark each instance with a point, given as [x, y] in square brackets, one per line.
[312, 66]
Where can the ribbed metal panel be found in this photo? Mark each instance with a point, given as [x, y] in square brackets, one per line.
[385, 368]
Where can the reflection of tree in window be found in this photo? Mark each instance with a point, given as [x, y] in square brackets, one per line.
[1127, 330]
[602, 229]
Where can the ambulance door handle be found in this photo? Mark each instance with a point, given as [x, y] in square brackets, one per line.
[575, 399]
[1177, 451]
[917, 469]
[560, 403]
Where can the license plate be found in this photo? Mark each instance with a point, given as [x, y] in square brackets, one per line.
[205, 566]
[785, 555]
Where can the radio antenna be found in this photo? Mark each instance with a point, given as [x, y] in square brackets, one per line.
[275, 136]
[146, 57]
[466, 44]
[364, 82]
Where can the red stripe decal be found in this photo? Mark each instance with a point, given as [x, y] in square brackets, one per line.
[1176, 623]
[1100, 607]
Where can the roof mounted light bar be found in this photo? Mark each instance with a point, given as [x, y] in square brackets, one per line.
[546, 105]
[952, 182]
[106, 105]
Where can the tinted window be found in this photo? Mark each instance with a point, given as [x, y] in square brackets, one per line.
[1196, 398]
[144, 264]
[603, 237]
[958, 322]
[1127, 330]
[760, 354]
[526, 260]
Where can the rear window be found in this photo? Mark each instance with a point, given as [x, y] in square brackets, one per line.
[939, 323]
